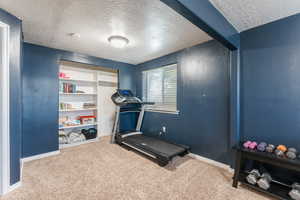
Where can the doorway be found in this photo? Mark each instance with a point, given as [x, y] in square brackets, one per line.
[4, 108]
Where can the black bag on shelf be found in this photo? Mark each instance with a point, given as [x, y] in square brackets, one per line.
[91, 133]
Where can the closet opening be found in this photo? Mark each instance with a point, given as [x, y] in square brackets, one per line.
[85, 109]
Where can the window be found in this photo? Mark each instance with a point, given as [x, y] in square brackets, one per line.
[160, 87]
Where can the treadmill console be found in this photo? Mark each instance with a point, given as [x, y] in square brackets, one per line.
[125, 97]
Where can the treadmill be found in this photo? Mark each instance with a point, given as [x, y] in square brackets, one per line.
[153, 147]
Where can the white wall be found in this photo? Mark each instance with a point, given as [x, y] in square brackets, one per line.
[4, 109]
[1, 103]
[106, 108]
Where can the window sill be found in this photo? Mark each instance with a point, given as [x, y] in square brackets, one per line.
[163, 111]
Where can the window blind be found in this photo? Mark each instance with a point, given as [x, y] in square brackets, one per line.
[160, 87]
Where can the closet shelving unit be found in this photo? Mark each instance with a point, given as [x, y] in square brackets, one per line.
[85, 81]
[77, 80]
[90, 84]
[78, 143]
[77, 126]
[77, 110]
[79, 94]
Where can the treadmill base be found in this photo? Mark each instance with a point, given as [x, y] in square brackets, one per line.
[160, 163]
[144, 146]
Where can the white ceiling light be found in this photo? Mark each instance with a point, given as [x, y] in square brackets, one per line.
[118, 41]
[74, 35]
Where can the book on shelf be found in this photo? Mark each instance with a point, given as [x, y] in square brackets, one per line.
[89, 105]
[65, 106]
[67, 88]
[77, 106]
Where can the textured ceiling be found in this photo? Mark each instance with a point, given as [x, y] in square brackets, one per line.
[153, 28]
[246, 14]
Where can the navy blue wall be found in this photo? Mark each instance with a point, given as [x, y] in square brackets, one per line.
[270, 87]
[204, 15]
[15, 94]
[40, 93]
[203, 100]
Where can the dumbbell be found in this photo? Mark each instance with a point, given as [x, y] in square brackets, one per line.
[262, 146]
[246, 144]
[264, 181]
[270, 148]
[291, 153]
[280, 150]
[250, 145]
[253, 176]
[253, 145]
[295, 192]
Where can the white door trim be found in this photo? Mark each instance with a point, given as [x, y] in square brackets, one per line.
[5, 130]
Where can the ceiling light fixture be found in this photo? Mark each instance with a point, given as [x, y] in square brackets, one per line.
[75, 35]
[118, 41]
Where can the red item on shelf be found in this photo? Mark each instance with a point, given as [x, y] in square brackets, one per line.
[63, 75]
[88, 116]
[87, 119]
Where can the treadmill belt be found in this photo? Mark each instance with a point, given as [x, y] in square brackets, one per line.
[155, 146]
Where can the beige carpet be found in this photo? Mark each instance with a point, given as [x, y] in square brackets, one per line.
[101, 171]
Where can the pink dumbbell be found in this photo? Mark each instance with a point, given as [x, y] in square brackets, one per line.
[253, 145]
[246, 144]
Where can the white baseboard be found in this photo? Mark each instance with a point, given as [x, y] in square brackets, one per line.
[211, 162]
[14, 186]
[40, 156]
[22, 165]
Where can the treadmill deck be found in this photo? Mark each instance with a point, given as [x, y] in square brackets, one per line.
[156, 147]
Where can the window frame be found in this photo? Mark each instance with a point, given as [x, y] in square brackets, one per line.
[160, 109]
